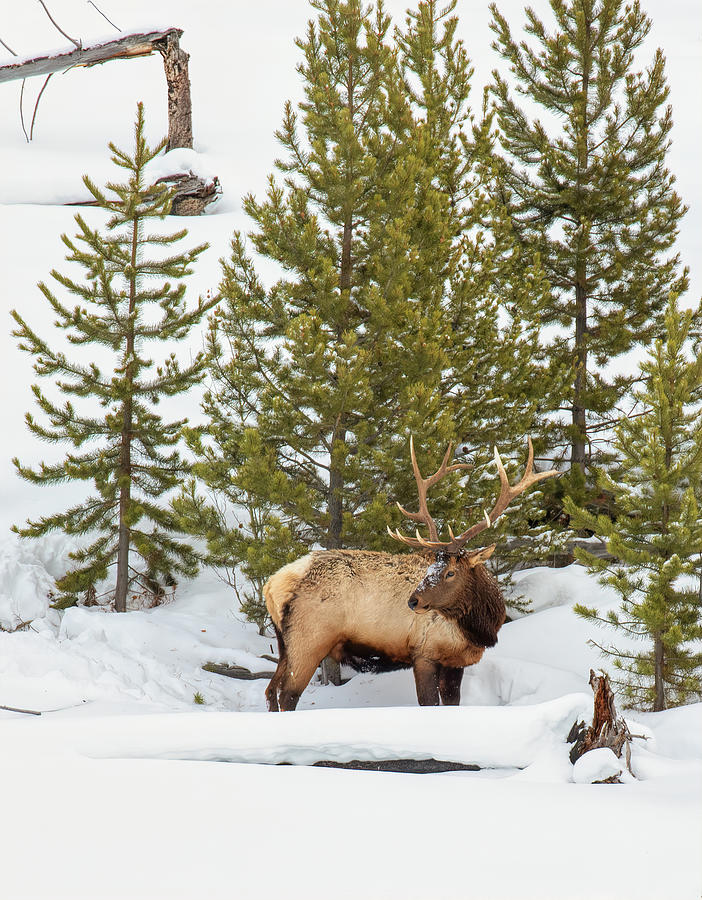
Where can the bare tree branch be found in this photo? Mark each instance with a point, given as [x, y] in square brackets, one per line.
[58, 27]
[36, 106]
[104, 16]
[22, 110]
[9, 49]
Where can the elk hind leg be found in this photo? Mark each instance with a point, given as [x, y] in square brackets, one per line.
[293, 683]
[274, 683]
[300, 668]
[450, 679]
[426, 680]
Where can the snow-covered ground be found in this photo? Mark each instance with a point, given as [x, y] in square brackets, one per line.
[124, 762]
[124, 787]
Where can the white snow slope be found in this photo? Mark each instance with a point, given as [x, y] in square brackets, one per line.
[123, 787]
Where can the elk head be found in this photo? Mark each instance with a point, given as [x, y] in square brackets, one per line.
[452, 581]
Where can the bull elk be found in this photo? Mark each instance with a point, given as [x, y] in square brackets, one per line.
[436, 610]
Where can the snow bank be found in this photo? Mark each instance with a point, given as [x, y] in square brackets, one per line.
[78, 829]
[492, 737]
[27, 573]
[597, 765]
[546, 588]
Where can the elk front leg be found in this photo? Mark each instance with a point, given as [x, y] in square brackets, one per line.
[426, 679]
[450, 685]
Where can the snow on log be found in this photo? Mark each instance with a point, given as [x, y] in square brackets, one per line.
[140, 44]
[192, 193]
[167, 43]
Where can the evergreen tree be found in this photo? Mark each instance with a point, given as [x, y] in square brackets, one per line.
[127, 302]
[386, 320]
[657, 536]
[588, 188]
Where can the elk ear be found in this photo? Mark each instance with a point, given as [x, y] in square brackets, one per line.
[479, 556]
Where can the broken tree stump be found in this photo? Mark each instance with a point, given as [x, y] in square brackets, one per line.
[180, 108]
[607, 730]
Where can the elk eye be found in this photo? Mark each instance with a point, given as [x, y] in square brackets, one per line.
[450, 574]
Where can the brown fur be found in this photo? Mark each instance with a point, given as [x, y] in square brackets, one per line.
[332, 602]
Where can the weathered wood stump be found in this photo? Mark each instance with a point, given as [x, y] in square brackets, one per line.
[607, 729]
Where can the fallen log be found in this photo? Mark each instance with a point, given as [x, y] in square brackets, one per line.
[192, 193]
[235, 671]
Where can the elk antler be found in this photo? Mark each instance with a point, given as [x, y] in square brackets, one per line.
[507, 493]
[423, 485]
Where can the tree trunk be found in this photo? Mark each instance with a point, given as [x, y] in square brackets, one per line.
[579, 446]
[125, 454]
[180, 111]
[659, 663]
[336, 478]
[331, 670]
[335, 506]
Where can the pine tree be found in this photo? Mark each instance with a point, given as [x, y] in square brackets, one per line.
[587, 187]
[386, 320]
[656, 538]
[128, 302]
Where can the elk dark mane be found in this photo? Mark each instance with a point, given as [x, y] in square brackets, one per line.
[482, 612]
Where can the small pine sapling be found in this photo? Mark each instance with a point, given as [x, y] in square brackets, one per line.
[656, 537]
[129, 301]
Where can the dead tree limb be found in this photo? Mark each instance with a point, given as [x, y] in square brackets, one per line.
[26, 712]
[175, 63]
[125, 47]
